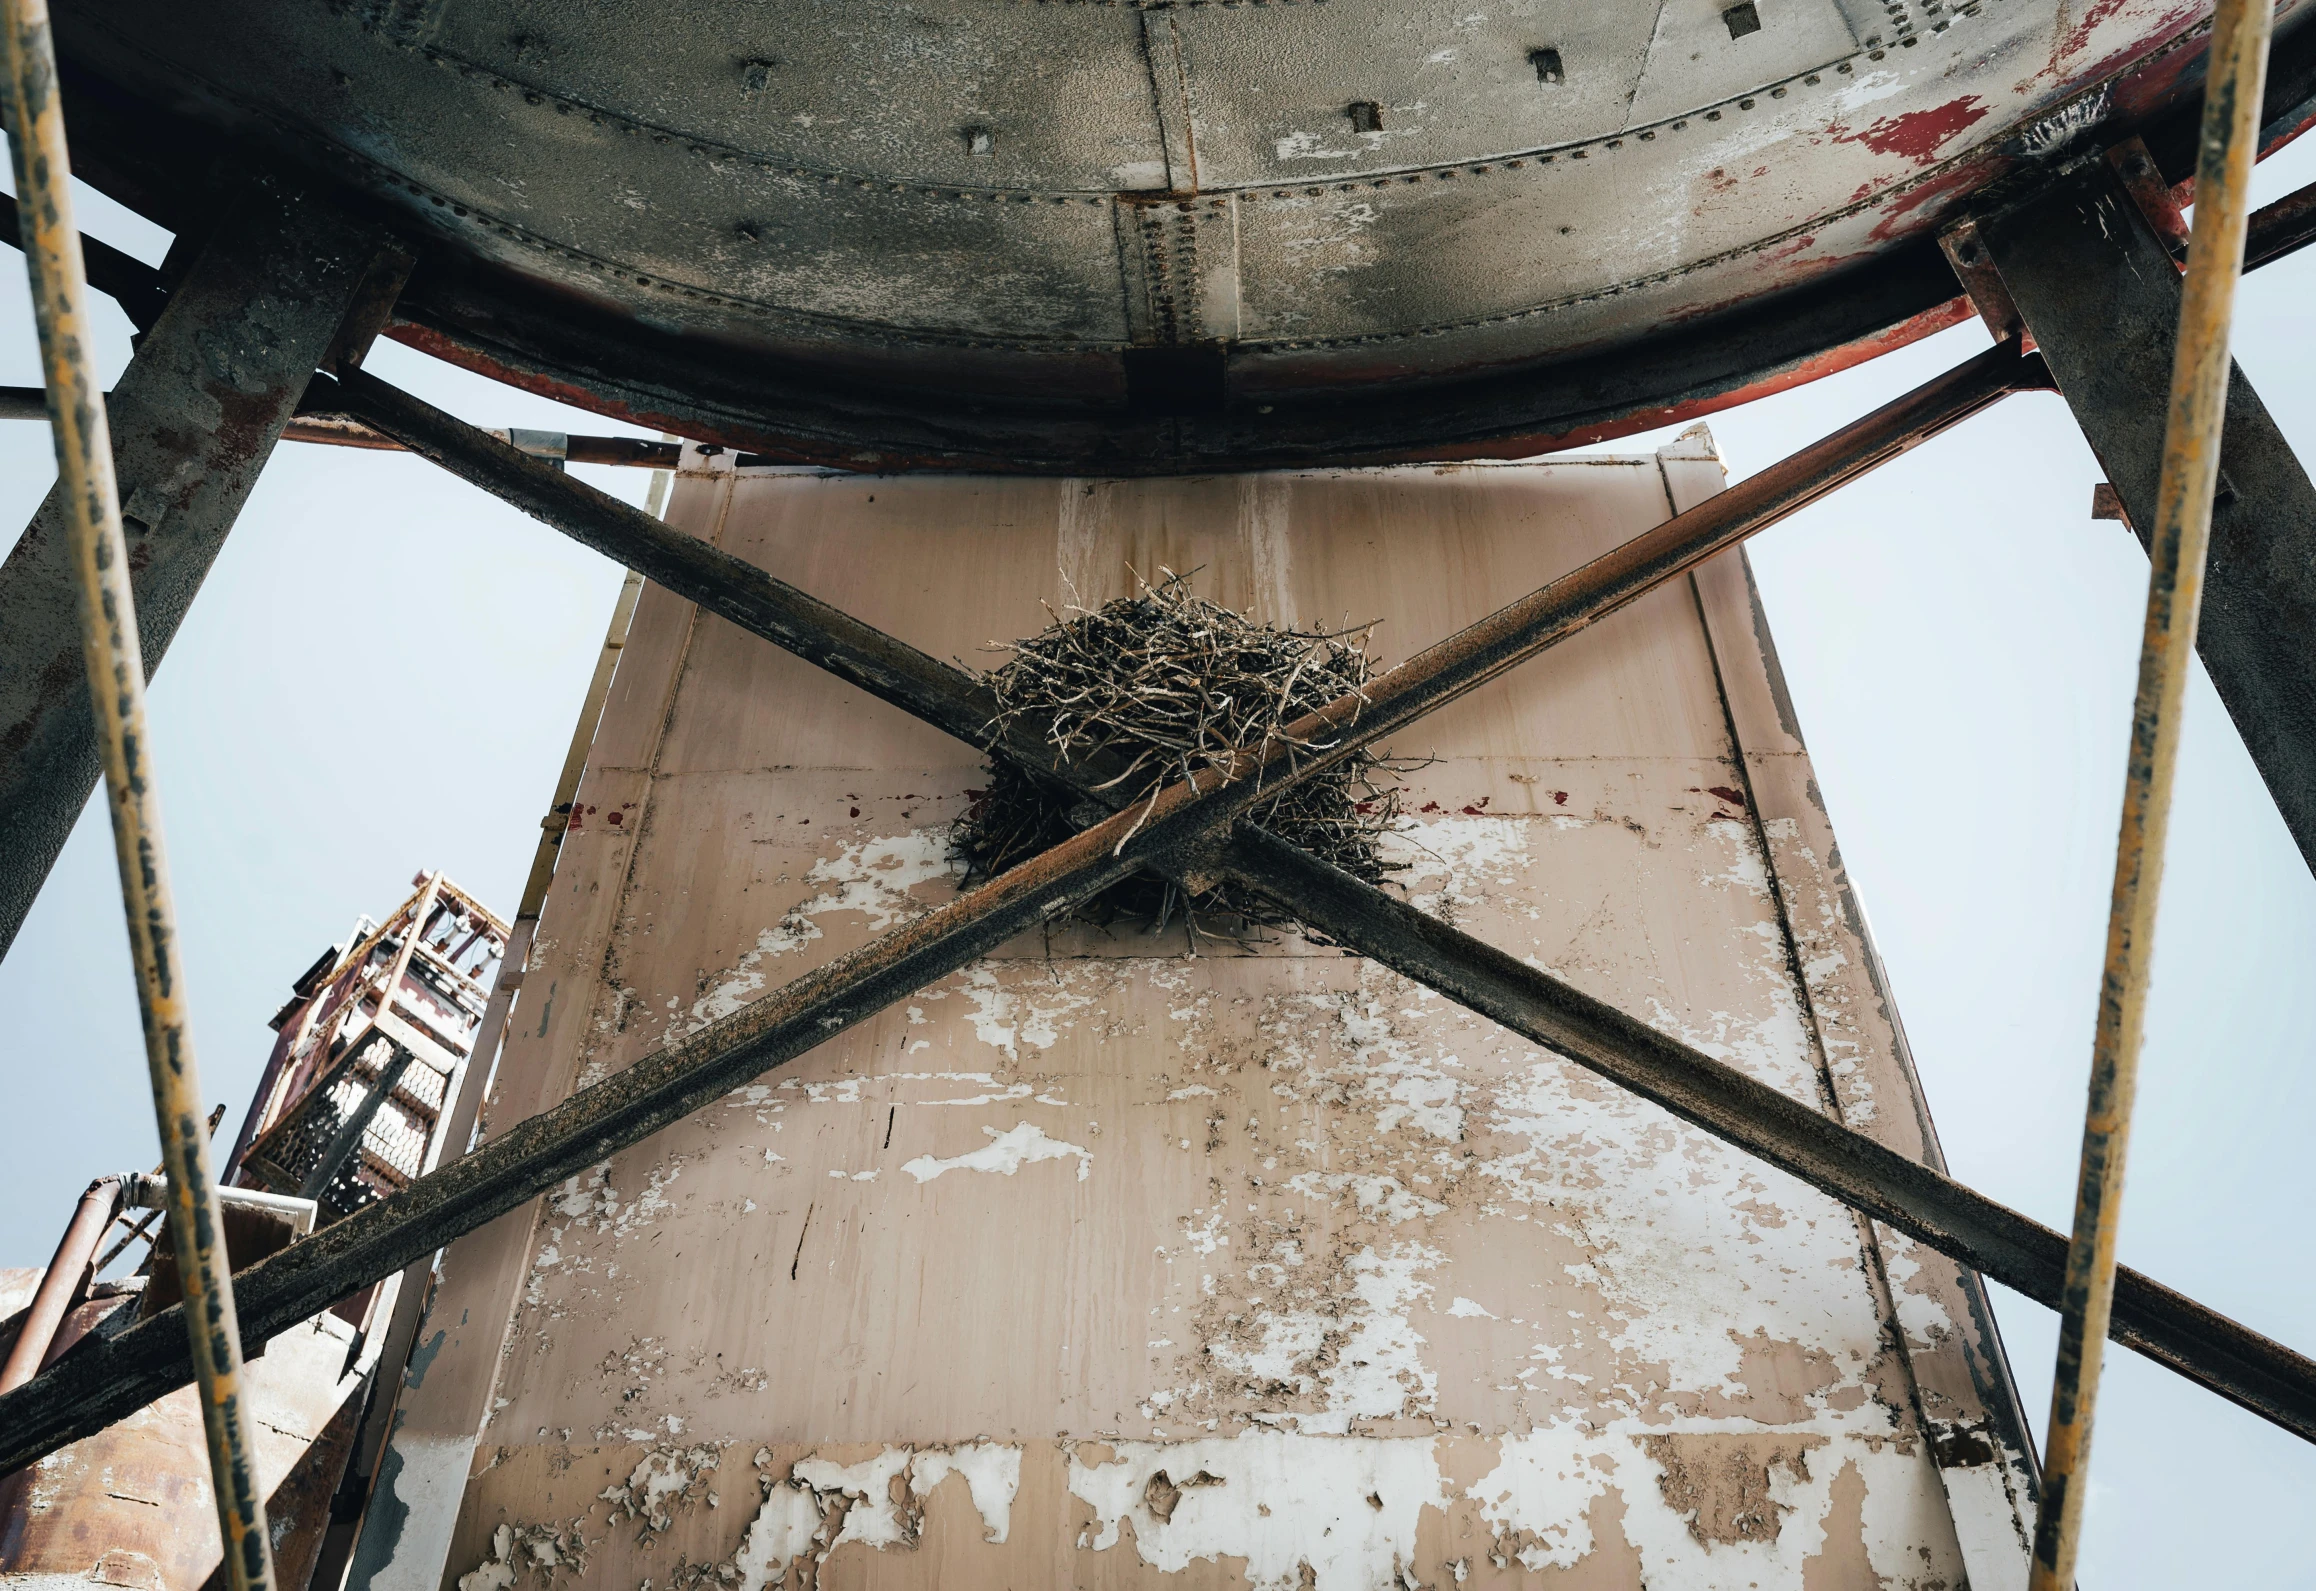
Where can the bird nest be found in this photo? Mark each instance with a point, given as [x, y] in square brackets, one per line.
[1167, 684]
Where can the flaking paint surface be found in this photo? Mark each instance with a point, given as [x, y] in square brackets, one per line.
[1123, 1257]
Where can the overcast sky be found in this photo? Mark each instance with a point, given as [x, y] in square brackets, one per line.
[382, 671]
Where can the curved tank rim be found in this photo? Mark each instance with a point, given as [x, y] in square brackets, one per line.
[531, 337]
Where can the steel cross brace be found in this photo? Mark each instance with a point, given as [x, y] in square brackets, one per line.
[219, 372]
[1185, 829]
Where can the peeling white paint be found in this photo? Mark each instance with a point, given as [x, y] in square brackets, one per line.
[992, 1476]
[875, 878]
[1281, 1502]
[1005, 1154]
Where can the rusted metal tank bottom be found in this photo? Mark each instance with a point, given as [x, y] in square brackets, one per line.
[132, 1505]
[1145, 238]
[1123, 1258]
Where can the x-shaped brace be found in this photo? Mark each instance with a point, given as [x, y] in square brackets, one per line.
[1192, 827]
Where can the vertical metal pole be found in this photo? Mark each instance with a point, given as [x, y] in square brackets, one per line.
[116, 677]
[2191, 454]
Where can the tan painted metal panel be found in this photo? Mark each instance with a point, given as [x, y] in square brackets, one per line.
[1104, 1261]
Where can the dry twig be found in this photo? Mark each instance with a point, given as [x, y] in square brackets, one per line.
[1174, 684]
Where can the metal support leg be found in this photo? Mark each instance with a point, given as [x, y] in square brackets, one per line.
[2101, 295]
[193, 421]
[2180, 530]
[96, 559]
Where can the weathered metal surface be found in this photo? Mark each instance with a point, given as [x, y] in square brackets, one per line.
[124, 278]
[415, 976]
[465, 1106]
[2102, 297]
[132, 1505]
[1152, 237]
[2180, 535]
[192, 422]
[88, 503]
[63, 1284]
[2245, 1366]
[1376, 1287]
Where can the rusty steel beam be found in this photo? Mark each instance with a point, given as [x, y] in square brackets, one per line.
[2206, 1347]
[2099, 290]
[125, 279]
[114, 1378]
[2179, 537]
[97, 559]
[192, 421]
[118, 1376]
[338, 430]
[2282, 228]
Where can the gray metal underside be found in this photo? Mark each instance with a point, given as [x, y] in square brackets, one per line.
[999, 197]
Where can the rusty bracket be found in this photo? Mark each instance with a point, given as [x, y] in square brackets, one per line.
[1974, 268]
[2157, 199]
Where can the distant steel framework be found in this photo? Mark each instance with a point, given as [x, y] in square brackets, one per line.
[2021, 261]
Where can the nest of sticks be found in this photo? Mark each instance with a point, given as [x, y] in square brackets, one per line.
[1170, 684]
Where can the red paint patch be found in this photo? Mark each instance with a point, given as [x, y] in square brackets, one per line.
[613, 819]
[1560, 798]
[1726, 794]
[1920, 133]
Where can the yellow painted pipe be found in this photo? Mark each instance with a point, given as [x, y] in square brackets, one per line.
[116, 676]
[2182, 534]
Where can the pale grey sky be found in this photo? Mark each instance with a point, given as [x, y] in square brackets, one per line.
[1960, 637]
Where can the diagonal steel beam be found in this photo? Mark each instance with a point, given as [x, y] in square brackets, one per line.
[114, 1378]
[2201, 1344]
[2241, 1365]
[125, 279]
[193, 421]
[2207, 1347]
